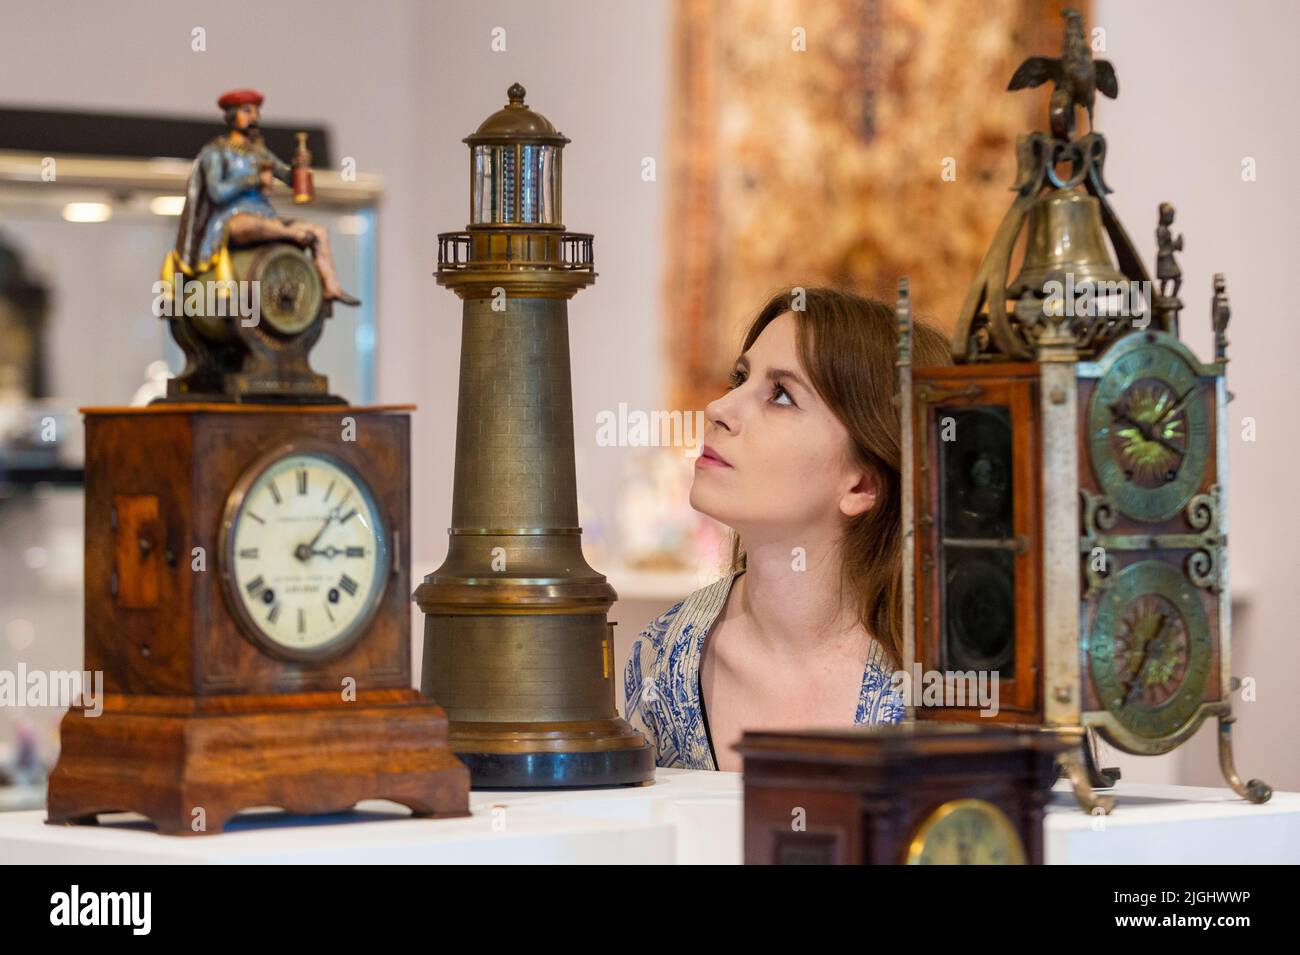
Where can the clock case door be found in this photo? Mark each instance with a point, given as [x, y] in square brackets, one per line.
[158, 481]
[976, 448]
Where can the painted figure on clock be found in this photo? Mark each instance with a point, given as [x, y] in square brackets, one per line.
[226, 205]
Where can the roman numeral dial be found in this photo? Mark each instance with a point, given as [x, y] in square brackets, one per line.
[304, 555]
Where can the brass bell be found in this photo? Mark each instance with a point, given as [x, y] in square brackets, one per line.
[1066, 237]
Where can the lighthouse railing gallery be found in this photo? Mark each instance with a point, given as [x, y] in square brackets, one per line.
[567, 251]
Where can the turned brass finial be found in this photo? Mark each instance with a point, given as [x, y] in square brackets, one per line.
[516, 94]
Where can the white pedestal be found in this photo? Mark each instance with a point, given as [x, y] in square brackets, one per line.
[1174, 825]
[685, 817]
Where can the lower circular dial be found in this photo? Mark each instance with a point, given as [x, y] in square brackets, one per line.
[1149, 649]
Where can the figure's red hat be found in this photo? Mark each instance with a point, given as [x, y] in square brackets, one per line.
[239, 98]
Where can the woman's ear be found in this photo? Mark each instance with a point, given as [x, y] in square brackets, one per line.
[861, 497]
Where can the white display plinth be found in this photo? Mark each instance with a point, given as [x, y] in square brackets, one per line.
[1174, 825]
[687, 816]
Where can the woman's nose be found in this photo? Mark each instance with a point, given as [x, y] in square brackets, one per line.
[721, 412]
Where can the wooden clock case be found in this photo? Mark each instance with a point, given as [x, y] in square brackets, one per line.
[865, 791]
[196, 715]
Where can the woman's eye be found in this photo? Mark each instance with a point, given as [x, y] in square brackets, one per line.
[737, 378]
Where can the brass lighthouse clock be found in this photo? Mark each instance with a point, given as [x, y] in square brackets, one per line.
[517, 644]
[1065, 480]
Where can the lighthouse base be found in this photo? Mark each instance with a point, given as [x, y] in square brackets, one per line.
[553, 755]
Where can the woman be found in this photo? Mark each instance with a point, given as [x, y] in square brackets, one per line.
[801, 459]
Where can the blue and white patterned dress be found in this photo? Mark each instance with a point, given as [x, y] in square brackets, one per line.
[661, 683]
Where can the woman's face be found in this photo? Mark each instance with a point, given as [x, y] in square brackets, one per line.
[789, 467]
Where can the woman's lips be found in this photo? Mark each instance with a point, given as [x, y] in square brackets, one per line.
[710, 459]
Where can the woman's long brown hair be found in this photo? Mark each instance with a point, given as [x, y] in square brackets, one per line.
[848, 345]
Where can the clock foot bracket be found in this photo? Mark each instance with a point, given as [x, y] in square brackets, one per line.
[1257, 791]
[1072, 763]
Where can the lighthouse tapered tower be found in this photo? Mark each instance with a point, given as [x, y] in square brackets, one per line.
[517, 647]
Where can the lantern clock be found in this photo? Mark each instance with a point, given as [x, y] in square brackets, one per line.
[1065, 480]
[517, 646]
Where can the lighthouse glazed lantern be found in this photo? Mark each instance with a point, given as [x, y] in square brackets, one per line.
[515, 168]
[1065, 480]
[517, 645]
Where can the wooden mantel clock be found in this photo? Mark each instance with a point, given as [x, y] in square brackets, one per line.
[247, 600]
[914, 793]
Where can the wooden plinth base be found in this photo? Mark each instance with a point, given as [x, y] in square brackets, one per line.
[190, 764]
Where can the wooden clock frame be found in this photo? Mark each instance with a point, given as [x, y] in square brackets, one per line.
[863, 795]
[198, 720]
[1014, 387]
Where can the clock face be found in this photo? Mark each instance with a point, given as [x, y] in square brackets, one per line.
[966, 832]
[305, 555]
[290, 293]
[1149, 649]
[1149, 432]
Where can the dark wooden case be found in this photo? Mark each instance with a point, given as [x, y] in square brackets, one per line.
[865, 791]
[196, 714]
[161, 476]
[937, 390]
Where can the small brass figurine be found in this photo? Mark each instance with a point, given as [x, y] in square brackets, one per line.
[1169, 275]
[226, 207]
[1167, 269]
[1220, 312]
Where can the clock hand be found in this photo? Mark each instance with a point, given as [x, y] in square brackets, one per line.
[1148, 431]
[332, 514]
[1145, 633]
[1162, 440]
[1177, 405]
[304, 551]
[1150, 647]
[1155, 649]
[1121, 413]
[332, 551]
